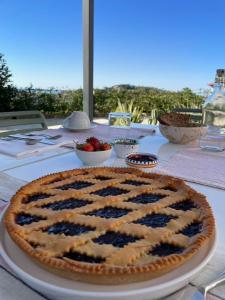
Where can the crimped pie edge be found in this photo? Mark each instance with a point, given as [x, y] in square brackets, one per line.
[162, 265]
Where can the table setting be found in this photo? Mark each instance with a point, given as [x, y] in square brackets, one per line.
[138, 208]
[28, 144]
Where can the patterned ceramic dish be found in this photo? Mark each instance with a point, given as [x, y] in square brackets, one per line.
[142, 160]
[125, 146]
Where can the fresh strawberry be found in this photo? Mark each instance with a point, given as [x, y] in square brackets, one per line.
[97, 147]
[105, 146]
[94, 142]
[87, 147]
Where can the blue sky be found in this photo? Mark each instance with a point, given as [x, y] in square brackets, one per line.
[168, 44]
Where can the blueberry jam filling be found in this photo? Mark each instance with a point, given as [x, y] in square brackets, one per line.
[142, 158]
[109, 212]
[165, 249]
[84, 258]
[75, 185]
[67, 228]
[36, 197]
[115, 239]
[192, 229]
[102, 177]
[134, 182]
[110, 191]
[146, 198]
[184, 205]
[25, 219]
[70, 203]
[155, 220]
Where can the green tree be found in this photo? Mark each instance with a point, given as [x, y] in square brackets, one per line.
[149, 100]
[7, 91]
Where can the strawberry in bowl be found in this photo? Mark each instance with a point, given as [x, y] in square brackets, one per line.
[93, 151]
[94, 142]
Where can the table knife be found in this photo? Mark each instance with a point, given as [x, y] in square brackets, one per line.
[24, 137]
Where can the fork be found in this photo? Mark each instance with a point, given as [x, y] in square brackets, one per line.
[192, 292]
[47, 136]
[209, 286]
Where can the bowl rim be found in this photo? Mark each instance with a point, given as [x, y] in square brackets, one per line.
[187, 127]
[119, 141]
[99, 151]
[143, 153]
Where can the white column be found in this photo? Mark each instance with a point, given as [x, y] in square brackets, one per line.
[88, 31]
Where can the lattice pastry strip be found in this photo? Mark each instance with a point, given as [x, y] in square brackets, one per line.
[151, 238]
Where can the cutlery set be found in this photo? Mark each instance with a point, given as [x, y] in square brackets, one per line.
[32, 139]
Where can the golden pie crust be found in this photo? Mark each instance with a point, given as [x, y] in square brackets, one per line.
[148, 225]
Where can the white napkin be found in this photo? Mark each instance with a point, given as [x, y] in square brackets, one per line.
[19, 148]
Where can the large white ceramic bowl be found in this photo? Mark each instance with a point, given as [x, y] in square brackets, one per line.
[78, 120]
[182, 135]
[93, 158]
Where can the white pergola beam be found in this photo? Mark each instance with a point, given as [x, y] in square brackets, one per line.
[88, 57]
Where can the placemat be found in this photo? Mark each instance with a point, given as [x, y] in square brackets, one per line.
[196, 165]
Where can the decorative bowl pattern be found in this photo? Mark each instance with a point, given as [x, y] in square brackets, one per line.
[142, 160]
[123, 147]
[182, 135]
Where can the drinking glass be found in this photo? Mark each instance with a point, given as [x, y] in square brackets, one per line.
[120, 119]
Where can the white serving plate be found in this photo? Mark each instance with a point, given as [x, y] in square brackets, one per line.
[58, 288]
[76, 129]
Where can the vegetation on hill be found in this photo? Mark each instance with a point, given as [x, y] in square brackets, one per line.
[147, 100]
[7, 91]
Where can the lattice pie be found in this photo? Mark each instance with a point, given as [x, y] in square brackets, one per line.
[109, 225]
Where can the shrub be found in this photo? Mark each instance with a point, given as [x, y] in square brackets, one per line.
[137, 100]
[135, 111]
[7, 91]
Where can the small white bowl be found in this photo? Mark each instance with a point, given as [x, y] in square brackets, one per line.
[93, 158]
[122, 149]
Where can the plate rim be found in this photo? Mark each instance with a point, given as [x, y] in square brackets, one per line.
[101, 294]
[80, 129]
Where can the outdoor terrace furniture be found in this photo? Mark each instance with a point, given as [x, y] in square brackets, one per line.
[21, 121]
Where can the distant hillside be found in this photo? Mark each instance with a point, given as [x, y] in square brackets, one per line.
[120, 87]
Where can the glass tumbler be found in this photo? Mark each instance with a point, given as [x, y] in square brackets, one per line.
[120, 119]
